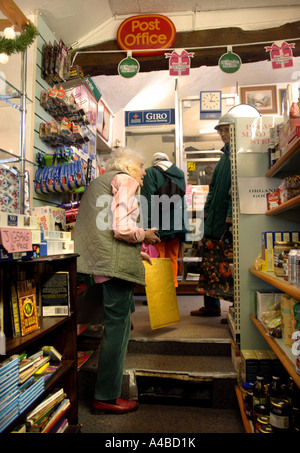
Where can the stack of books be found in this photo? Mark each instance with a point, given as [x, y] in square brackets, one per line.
[9, 391]
[30, 391]
[50, 415]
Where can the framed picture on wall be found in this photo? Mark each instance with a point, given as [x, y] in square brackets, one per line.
[264, 98]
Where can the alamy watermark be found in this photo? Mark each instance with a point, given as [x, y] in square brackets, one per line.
[137, 212]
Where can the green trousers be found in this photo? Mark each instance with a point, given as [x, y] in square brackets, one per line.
[118, 304]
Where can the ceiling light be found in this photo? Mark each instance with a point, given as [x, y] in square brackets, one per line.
[3, 58]
[9, 33]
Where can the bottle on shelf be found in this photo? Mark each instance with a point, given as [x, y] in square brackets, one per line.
[276, 391]
[260, 392]
[293, 397]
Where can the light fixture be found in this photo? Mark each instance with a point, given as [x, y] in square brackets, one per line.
[244, 111]
[3, 58]
[9, 33]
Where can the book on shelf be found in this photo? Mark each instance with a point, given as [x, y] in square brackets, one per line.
[49, 415]
[57, 415]
[30, 391]
[26, 291]
[38, 410]
[49, 371]
[52, 352]
[9, 376]
[21, 428]
[1, 304]
[61, 426]
[34, 365]
[55, 294]
[15, 314]
[9, 416]
[26, 362]
[11, 362]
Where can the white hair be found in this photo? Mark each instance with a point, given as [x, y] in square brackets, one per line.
[122, 157]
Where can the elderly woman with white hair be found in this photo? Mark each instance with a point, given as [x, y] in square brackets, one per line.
[108, 241]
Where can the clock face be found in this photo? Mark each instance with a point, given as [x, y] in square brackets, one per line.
[210, 101]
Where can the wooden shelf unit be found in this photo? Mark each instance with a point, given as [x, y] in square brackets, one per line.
[58, 331]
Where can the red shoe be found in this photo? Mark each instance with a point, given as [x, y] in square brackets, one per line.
[121, 407]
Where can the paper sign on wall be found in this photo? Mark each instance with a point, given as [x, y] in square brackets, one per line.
[253, 193]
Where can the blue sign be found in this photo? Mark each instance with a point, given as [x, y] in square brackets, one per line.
[150, 117]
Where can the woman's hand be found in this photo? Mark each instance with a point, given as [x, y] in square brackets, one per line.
[151, 237]
[146, 257]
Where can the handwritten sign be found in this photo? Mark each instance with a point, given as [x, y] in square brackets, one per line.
[253, 193]
[16, 239]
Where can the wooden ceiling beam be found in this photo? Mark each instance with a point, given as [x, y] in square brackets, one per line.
[107, 63]
[14, 15]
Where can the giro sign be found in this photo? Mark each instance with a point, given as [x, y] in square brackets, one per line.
[150, 31]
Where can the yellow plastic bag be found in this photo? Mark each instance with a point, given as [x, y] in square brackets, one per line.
[161, 293]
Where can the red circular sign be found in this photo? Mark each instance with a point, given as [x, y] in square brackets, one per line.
[149, 31]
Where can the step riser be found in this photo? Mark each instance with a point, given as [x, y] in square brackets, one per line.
[179, 348]
[213, 393]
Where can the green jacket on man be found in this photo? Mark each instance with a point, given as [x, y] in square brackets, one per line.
[218, 203]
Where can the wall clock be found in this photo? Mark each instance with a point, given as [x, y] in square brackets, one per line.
[210, 104]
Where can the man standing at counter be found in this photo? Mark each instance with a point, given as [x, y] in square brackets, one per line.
[218, 206]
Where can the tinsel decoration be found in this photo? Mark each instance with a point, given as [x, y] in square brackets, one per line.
[21, 42]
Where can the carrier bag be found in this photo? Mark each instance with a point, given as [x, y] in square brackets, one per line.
[216, 279]
[151, 250]
[161, 293]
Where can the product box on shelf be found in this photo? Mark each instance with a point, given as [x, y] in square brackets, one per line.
[287, 316]
[264, 302]
[268, 239]
[5, 256]
[52, 247]
[49, 216]
[249, 365]
[260, 362]
[264, 364]
[18, 243]
[18, 221]
[267, 252]
[57, 235]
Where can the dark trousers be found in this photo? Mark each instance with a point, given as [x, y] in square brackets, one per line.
[118, 304]
[211, 302]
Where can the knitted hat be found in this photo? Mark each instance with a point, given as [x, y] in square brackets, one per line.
[225, 120]
[159, 156]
